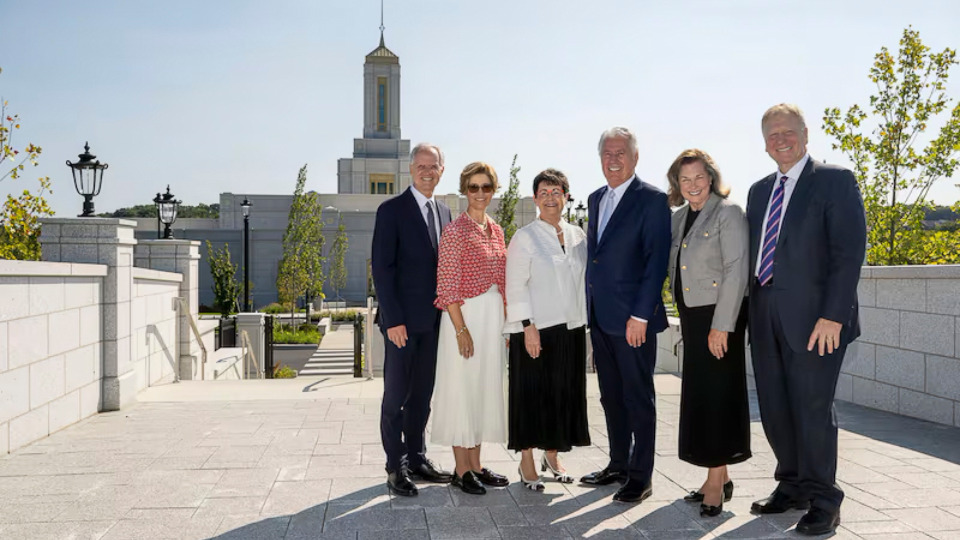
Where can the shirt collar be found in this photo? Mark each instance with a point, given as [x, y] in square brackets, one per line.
[622, 188]
[421, 198]
[794, 173]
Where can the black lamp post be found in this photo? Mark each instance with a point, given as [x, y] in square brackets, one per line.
[569, 206]
[581, 214]
[167, 209]
[245, 208]
[87, 178]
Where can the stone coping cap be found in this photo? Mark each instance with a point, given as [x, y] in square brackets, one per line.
[89, 221]
[156, 275]
[932, 271]
[51, 269]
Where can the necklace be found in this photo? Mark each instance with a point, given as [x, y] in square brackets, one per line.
[482, 223]
[559, 232]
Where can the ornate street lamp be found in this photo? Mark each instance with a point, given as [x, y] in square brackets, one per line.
[581, 214]
[569, 206]
[167, 209]
[87, 178]
[245, 208]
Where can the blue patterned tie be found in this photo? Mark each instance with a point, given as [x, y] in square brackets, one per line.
[770, 236]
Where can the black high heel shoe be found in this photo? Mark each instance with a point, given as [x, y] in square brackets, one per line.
[710, 511]
[697, 496]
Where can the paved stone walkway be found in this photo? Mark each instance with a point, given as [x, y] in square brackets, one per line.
[301, 459]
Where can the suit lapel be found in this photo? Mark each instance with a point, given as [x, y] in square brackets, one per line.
[679, 218]
[593, 216]
[415, 215]
[708, 209]
[444, 216]
[629, 197]
[797, 206]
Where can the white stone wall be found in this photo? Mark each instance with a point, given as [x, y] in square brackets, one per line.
[153, 325]
[907, 359]
[50, 347]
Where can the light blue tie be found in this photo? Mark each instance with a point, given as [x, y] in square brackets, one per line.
[606, 210]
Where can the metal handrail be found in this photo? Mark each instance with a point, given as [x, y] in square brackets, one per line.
[182, 308]
[248, 351]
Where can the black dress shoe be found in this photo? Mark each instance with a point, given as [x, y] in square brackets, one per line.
[697, 496]
[633, 491]
[429, 472]
[400, 483]
[604, 477]
[491, 478]
[469, 483]
[818, 521]
[778, 503]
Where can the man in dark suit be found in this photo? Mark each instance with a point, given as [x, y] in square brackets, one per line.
[628, 242]
[404, 265]
[807, 243]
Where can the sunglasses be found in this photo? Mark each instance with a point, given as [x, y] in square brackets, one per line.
[475, 188]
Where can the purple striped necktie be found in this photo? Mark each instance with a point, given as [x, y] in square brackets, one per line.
[770, 235]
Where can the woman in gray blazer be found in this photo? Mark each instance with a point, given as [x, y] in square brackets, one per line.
[708, 277]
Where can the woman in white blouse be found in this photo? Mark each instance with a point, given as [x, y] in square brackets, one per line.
[546, 320]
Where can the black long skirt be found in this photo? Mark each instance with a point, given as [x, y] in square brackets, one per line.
[548, 395]
[714, 411]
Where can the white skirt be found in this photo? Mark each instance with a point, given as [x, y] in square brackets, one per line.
[469, 399]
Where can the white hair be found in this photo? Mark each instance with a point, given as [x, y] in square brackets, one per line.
[426, 147]
[618, 133]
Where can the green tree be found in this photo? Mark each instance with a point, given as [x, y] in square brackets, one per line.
[338, 253]
[302, 261]
[505, 215]
[202, 210]
[226, 288]
[20, 216]
[895, 175]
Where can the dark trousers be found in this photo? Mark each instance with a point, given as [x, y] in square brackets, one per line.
[795, 390]
[408, 377]
[629, 403]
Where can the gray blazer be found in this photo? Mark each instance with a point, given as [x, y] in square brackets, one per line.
[713, 259]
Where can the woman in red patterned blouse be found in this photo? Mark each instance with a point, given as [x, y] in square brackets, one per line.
[469, 403]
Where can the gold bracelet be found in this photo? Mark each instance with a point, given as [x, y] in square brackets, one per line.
[462, 330]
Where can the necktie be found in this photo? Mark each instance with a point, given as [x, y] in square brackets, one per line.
[606, 208]
[431, 225]
[770, 235]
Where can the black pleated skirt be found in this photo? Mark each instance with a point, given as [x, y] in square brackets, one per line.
[714, 411]
[548, 395]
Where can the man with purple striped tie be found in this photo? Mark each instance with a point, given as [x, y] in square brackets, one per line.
[807, 243]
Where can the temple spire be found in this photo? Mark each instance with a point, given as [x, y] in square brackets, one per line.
[381, 23]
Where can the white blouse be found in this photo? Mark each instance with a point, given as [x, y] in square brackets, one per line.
[545, 283]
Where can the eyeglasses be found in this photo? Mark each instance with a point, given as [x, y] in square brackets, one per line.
[553, 193]
[475, 188]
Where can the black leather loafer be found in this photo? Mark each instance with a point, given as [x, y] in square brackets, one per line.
[604, 477]
[429, 472]
[697, 496]
[469, 483]
[491, 478]
[400, 484]
[633, 492]
[818, 521]
[778, 503]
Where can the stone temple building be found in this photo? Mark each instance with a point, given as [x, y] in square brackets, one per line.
[378, 170]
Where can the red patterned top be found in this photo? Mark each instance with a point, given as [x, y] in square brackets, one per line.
[470, 261]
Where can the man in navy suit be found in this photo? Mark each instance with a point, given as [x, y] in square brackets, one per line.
[807, 243]
[404, 265]
[628, 244]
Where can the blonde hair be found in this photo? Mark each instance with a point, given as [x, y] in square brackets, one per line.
[478, 167]
[788, 109]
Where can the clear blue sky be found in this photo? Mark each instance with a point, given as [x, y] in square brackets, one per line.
[236, 96]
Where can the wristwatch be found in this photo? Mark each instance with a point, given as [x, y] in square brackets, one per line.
[526, 323]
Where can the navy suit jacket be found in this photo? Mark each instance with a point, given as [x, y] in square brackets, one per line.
[404, 264]
[822, 243]
[627, 267]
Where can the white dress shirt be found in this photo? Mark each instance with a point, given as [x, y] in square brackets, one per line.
[422, 203]
[793, 175]
[545, 283]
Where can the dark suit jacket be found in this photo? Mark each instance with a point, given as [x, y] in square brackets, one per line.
[626, 269]
[404, 264]
[816, 265]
